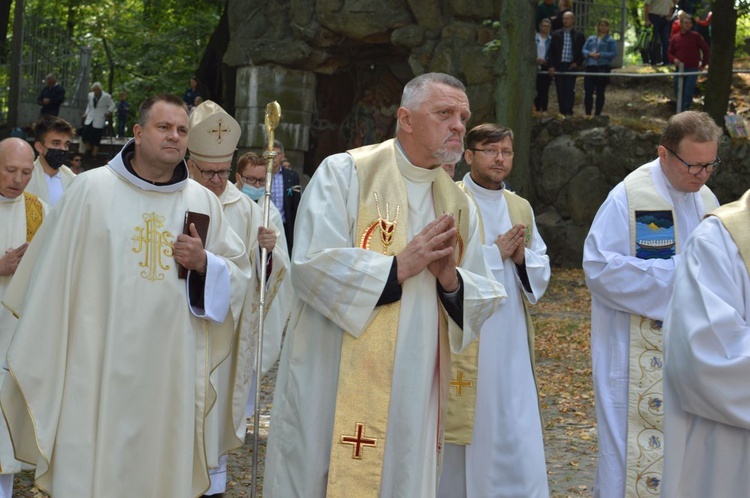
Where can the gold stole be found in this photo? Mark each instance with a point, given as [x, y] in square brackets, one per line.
[645, 432]
[459, 424]
[734, 217]
[367, 363]
[34, 215]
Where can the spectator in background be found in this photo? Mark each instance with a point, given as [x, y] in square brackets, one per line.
[565, 55]
[51, 97]
[193, 92]
[51, 178]
[123, 111]
[659, 14]
[99, 108]
[543, 80]
[563, 6]
[599, 51]
[286, 164]
[545, 10]
[690, 49]
[285, 193]
[76, 158]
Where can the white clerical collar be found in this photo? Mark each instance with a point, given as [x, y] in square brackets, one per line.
[118, 166]
[411, 172]
[481, 192]
[9, 199]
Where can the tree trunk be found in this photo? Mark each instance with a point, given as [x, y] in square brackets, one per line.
[516, 86]
[4, 22]
[210, 70]
[723, 29]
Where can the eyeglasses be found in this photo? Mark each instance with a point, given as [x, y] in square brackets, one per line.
[207, 174]
[695, 169]
[494, 153]
[253, 181]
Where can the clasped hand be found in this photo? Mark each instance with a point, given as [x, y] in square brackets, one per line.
[511, 244]
[432, 248]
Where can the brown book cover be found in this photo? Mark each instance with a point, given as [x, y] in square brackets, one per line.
[201, 222]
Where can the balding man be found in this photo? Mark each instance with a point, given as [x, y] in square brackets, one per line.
[22, 214]
[566, 55]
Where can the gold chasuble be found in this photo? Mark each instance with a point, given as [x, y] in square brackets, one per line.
[652, 235]
[363, 394]
[734, 217]
[34, 215]
[459, 424]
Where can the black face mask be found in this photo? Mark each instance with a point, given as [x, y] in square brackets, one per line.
[56, 157]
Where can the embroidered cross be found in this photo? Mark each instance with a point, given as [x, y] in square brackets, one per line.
[219, 130]
[358, 440]
[459, 383]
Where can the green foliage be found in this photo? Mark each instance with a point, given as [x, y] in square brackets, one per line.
[139, 46]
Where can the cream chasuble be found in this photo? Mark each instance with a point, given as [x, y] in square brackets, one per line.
[38, 183]
[707, 361]
[338, 285]
[226, 424]
[653, 235]
[14, 214]
[506, 455]
[109, 388]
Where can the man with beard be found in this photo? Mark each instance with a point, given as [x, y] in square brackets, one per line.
[51, 141]
[390, 278]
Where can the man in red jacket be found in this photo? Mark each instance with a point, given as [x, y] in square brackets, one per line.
[690, 49]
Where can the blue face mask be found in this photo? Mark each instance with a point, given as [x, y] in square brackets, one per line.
[254, 193]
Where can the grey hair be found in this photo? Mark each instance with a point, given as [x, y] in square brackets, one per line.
[96, 85]
[415, 91]
[277, 143]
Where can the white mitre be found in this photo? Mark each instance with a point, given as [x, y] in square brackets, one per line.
[213, 134]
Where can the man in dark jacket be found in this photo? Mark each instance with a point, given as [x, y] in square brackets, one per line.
[285, 193]
[565, 55]
[51, 97]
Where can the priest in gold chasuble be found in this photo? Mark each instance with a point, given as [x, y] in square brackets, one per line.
[108, 385]
[390, 278]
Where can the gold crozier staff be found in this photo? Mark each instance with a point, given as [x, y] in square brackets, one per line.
[273, 115]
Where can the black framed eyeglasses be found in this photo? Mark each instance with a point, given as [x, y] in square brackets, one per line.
[253, 181]
[695, 169]
[207, 174]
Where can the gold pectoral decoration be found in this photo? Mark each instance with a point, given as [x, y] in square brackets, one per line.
[155, 245]
[386, 226]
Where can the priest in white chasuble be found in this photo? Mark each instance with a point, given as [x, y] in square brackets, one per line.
[494, 442]
[212, 140]
[22, 215]
[707, 361]
[390, 278]
[629, 258]
[108, 388]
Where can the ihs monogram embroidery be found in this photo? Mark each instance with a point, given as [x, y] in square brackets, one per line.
[155, 245]
[387, 227]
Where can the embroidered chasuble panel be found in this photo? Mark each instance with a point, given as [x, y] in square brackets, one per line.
[655, 235]
[654, 239]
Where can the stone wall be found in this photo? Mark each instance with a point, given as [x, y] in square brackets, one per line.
[576, 162]
[336, 63]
